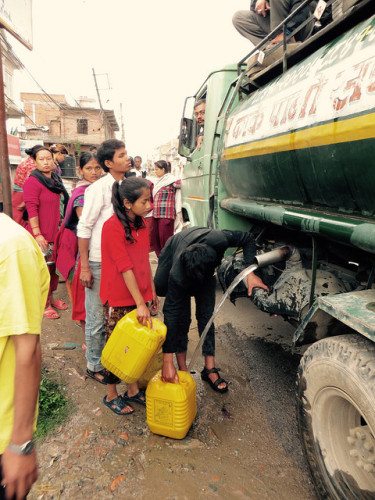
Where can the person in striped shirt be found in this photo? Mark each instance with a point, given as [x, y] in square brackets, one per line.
[167, 203]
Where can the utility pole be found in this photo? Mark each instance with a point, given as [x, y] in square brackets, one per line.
[4, 155]
[106, 135]
[122, 124]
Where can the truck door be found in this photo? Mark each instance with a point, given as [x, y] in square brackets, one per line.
[192, 146]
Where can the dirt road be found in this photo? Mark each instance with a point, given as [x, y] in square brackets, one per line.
[242, 445]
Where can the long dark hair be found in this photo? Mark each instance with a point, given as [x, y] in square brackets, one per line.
[131, 189]
[85, 157]
[165, 165]
[35, 150]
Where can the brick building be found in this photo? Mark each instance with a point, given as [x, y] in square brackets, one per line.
[53, 120]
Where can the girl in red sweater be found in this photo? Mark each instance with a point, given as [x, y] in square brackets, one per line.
[126, 280]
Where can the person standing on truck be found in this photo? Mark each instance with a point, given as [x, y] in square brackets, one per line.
[186, 269]
[265, 15]
[199, 113]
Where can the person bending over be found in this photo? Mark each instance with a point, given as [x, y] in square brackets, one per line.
[186, 269]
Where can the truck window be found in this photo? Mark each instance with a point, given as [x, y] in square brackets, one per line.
[199, 117]
[191, 127]
[186, 137]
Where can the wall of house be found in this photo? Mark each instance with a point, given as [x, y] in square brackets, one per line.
[41, 109]
[95, 129]
[62, 121]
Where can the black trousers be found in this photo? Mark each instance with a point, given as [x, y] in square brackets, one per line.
[177, 316]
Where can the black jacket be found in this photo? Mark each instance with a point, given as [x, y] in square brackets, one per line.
[170, 268]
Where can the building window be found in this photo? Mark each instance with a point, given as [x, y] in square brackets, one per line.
[8, 83]
[82, 127]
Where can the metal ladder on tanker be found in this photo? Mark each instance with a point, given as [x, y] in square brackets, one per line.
[282, 56]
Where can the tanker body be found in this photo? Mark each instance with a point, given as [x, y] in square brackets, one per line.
[288, 153]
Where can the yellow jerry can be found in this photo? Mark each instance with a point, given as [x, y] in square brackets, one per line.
[153, 367]
[132, 346]
[171, 408]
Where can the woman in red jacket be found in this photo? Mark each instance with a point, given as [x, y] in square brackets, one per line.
[42, 192]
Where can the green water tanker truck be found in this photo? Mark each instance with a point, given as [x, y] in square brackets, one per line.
[288, 153]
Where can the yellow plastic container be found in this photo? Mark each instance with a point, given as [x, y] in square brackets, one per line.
[153, 367]
[171, 408]
[132, 346]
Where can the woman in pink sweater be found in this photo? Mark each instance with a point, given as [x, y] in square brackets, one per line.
[42, 192]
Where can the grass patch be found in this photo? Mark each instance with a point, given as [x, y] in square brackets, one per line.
[54, 406]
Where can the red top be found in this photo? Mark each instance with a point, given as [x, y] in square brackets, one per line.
[118, 256]
[43, 203]
[23, 171]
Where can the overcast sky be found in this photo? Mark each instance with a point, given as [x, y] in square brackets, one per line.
[155, 54]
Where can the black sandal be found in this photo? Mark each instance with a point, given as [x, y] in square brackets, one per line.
[108, 378]
[205, 376]
[139, 398]
[117, 405]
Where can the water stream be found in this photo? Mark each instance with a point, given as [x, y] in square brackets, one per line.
[230, 289]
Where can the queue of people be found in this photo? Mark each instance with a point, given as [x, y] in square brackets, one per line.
[101, 250]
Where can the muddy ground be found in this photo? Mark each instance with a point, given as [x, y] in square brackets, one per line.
[242, 445]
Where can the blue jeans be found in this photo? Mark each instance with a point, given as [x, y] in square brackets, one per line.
[95, 336]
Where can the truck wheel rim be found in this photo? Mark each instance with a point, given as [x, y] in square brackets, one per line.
[346, 442]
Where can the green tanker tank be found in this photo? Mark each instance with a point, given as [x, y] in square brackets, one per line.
[288, 153]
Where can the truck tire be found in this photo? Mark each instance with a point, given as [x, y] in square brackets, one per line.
[336, 416]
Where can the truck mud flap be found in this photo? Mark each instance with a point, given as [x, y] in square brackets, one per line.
[356, 310]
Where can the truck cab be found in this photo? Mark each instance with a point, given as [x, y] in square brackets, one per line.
[198, 178]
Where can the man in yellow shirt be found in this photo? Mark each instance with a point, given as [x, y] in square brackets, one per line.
[24, 282]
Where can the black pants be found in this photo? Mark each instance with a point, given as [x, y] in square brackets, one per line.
[177, 316]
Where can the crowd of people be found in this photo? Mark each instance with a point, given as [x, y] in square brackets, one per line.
[98, 242]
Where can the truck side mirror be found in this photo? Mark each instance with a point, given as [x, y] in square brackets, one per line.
[185, 137]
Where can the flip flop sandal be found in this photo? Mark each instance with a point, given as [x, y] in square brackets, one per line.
[60, 305]
[50, 313]
[116, 405]
[139, 398]
[205, 376]
[107, 379]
